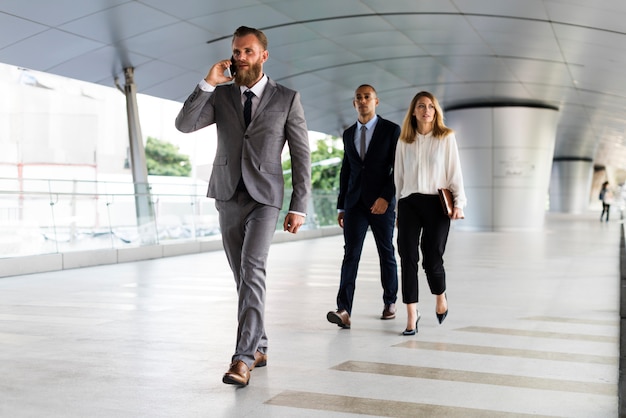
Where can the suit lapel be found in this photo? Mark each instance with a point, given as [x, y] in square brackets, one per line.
[375, 134]
[350, 139]
[235, 95]
[268, 93]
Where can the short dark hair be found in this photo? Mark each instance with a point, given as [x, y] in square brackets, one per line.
[245, 30]
[368, 85]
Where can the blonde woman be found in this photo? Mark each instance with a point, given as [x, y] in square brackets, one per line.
[427, 159]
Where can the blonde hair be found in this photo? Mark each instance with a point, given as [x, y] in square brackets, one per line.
[409, 125]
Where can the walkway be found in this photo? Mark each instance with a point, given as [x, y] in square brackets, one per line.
[533, 330]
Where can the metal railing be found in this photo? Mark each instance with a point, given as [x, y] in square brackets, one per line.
[43, 216]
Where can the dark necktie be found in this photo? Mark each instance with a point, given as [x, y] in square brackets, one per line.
[363, 129]
[247, 107]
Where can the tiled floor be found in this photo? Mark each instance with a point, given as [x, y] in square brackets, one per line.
[532, 330]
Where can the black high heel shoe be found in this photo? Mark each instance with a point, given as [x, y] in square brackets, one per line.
[412, 331]
[442, 316]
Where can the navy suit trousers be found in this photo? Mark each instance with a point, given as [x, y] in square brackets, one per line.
[356, 222]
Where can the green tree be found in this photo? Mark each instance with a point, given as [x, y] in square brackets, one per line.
[325, 170]
[325, 166]
[164, 159]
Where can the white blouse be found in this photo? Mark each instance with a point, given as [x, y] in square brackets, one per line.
[429, 164]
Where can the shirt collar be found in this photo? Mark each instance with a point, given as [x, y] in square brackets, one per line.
[258, 88]
[369, 123]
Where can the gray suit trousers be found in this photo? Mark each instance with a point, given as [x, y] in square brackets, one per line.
[247, 230]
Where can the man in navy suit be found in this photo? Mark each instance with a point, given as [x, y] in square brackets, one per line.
[367, 199]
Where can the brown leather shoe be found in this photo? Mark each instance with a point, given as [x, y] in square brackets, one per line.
[389, 312]
[340, 317]
[260, 360]
[237, 374]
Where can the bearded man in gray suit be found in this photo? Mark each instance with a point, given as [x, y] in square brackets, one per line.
[254, 116]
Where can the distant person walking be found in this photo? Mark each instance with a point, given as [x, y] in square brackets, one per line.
[606, 196]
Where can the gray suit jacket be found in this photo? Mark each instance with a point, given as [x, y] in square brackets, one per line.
[253, 153]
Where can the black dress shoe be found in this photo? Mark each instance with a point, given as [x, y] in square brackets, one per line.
[340, 317]
[414, 330]
[410, 331]
[442, 316]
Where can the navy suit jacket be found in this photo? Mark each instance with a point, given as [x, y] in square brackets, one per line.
[371, 178]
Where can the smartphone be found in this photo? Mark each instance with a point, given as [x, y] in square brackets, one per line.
[232, 70]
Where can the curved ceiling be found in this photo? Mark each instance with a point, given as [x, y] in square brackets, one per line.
[568, 54]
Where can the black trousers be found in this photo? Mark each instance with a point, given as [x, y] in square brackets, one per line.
[422, 225]
[605, 209]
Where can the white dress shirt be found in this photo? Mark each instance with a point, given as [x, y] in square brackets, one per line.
[427, 165]
[369, 126]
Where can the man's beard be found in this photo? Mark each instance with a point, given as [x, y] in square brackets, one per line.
[249, 76]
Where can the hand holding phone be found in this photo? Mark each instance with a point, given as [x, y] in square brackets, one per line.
[232, 70]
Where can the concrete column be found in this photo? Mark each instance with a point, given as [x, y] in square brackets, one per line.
[506, 154]
[143, 202]
[570, 183]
